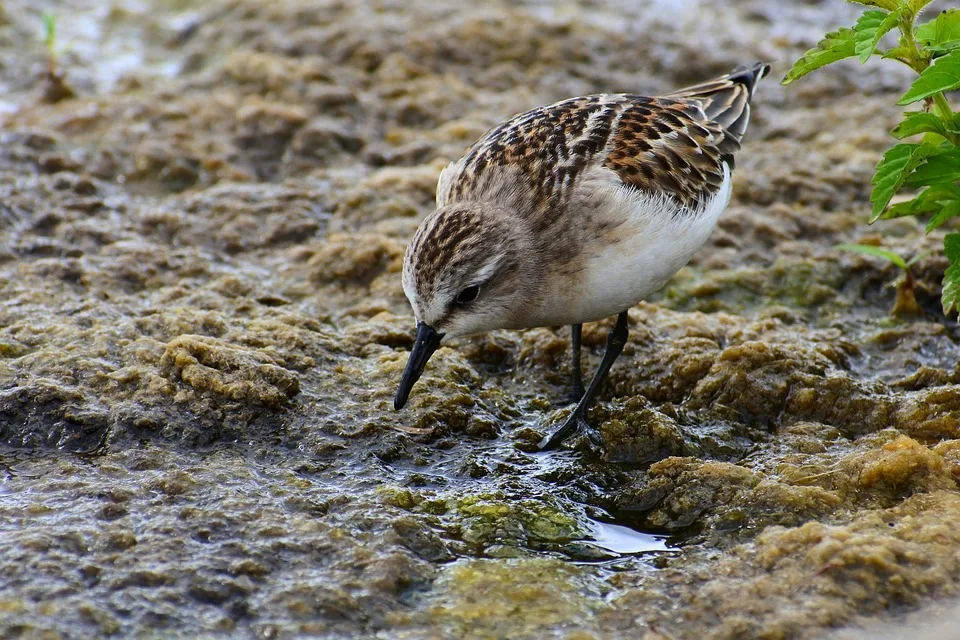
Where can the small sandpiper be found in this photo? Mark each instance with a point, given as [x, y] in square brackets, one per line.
[571, 213]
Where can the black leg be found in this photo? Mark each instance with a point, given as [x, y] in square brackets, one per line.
[576, 375]
[615, 342]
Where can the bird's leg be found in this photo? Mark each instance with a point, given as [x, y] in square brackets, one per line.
[615, 342]
[576, 375]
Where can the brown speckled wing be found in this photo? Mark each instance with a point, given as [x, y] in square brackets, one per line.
[669, 146]
[675, 145]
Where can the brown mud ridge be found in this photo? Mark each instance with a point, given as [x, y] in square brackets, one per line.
[202, 326]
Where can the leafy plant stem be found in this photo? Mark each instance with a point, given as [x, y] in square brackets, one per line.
[919, 62]
[943, 107]
[915, 60]
[928, 169]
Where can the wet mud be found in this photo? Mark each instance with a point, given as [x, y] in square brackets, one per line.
[202, 224]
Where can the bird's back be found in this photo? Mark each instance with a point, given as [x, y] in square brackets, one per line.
[674, 144]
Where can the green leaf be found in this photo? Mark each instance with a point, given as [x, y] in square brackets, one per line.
[897, 163]
[942, 30]
[836, 45]
[876, 252]
[942, 75]
[901, 52]
[916, 122]
[944, 47]
[900, 210]
[870, 27]
[950, 210]
[889, 5]
[939, 168]
[951, 277]
[930, 200]
[916, 6]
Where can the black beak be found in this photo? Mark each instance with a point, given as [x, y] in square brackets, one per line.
[424, 345]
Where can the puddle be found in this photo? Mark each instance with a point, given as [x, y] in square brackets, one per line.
[624, 540]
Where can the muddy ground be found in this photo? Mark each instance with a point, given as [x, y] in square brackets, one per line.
[202, 327]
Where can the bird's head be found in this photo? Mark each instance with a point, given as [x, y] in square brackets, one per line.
[468, 269]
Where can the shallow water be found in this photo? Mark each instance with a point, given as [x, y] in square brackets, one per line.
[202, 327]
[624, 540]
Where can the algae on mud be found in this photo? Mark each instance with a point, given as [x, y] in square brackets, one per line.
[202, 324]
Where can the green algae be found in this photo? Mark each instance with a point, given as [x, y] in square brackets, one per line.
[495, 523]
[490, 518]
[521, 598]
[812, 286]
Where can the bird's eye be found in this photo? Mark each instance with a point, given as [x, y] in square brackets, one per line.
[469, 294]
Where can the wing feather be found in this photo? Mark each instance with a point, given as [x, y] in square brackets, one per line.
[676, 145]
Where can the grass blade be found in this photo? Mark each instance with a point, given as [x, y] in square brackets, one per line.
[876, 252]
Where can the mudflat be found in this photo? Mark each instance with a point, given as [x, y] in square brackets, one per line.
[202, 326]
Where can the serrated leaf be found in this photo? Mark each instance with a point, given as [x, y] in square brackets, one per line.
[942, 201]
[941, 30]
[938, 168]
[930, 200]
[901, 52]
[942, 75]
[897, 163]
[870, 28]
[876, 252]
[949, 210]
[945, 47]
[900, 210]
[889, 5]
[940, 193]
[951, 277]
[920, 122]
[836, 45]
[916, 6]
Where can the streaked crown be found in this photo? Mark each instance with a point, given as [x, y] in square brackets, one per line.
[462, 270]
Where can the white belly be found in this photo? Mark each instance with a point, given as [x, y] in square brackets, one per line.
[636, 258]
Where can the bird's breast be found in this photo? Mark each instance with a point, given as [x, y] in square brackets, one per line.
[637, 242]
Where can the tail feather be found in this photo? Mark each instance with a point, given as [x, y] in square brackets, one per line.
[726, 100]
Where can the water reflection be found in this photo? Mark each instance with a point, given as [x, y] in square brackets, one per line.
[624, 540]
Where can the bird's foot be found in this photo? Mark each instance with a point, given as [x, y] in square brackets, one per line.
[575, 421]
[574, 424]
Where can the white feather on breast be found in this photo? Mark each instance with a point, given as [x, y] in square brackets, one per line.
[651, 240]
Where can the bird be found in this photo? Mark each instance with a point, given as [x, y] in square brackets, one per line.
[574, 212]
